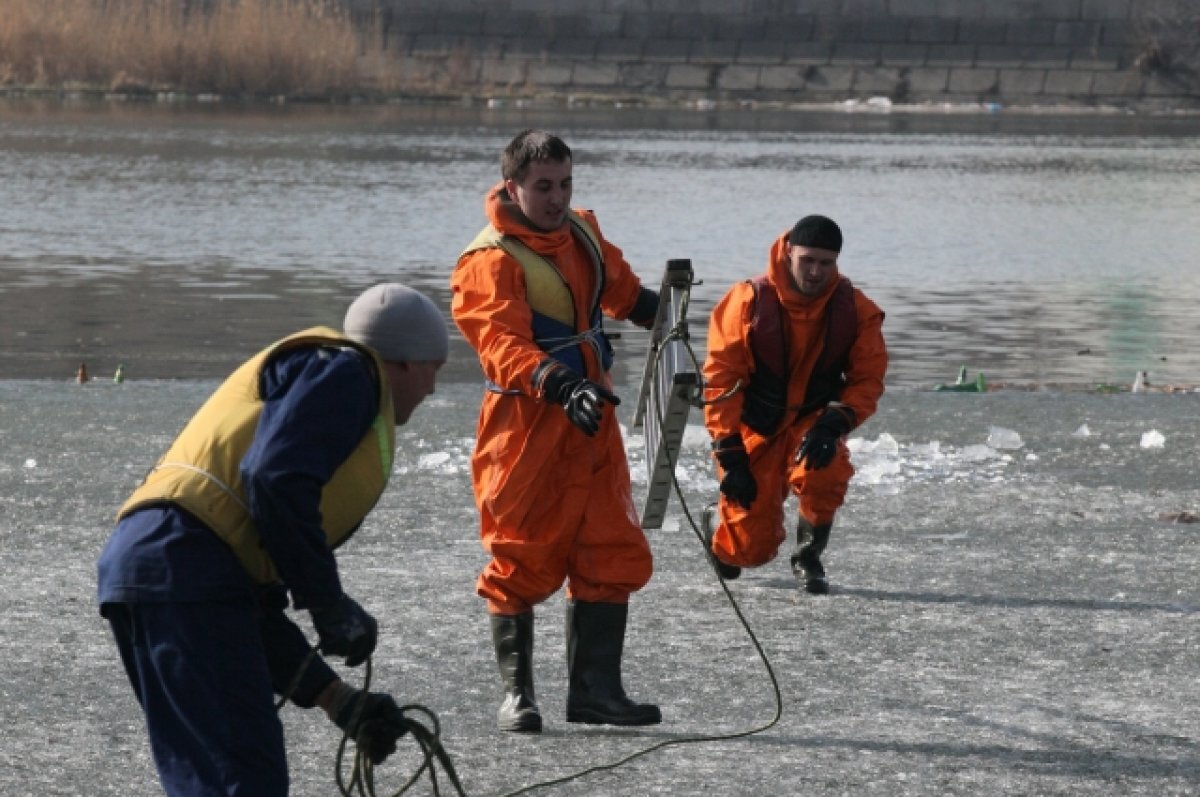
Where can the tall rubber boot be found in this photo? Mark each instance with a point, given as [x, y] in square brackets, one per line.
[512, 634]
[595, 643]
[708, 527]
[806, 558]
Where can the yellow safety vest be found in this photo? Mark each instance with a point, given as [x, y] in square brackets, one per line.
[555, 326]
[546, 290]
[201, 470]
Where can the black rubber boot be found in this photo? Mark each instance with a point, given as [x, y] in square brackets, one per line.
[512, 634]
[595, 643]
[806, 558]
[708, 527]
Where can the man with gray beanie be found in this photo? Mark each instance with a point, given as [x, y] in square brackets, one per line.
[277, 469]
[799, 354]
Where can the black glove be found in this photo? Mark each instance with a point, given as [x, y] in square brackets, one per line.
[294, 674]
[371, 719]
[345, 629]
[582, 399]
[820, 444]
[738, 483]
[645, 311]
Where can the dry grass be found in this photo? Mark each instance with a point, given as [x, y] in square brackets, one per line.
[255, 47]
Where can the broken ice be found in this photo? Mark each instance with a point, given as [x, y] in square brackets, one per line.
[999, 437]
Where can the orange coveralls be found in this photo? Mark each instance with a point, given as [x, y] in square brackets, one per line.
[554, 504]
[752, 537]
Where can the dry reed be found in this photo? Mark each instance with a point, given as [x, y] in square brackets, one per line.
[242, 47]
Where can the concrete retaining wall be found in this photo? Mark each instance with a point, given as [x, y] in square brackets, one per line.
[1012, 52]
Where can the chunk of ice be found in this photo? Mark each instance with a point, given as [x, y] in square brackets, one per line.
[977, 453]
[434, 461]
[1152, 439]
[884, 445]
[999, 437]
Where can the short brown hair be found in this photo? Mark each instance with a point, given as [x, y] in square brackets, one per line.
[530, 146]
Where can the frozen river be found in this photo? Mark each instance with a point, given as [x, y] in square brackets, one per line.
[1013, 612]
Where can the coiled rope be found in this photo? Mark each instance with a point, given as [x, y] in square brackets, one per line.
[428, 739]
[361, 781]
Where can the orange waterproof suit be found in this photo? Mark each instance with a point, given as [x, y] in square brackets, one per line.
[749, 538]
[554, 504]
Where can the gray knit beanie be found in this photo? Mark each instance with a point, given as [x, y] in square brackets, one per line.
[401, 324]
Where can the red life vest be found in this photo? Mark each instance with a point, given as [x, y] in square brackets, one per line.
[765, 399]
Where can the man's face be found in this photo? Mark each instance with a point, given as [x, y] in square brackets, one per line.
[811, 268]
[410, 384]
[544, 193]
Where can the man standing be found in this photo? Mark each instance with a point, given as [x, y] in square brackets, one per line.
[800, 351]
[278, 468]
[549, 471]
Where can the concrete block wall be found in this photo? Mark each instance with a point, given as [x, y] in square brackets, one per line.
[1012, 52]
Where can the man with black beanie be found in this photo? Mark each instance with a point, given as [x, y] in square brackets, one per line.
[800, 353]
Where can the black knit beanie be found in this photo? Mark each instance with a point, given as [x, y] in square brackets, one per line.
[817, 232]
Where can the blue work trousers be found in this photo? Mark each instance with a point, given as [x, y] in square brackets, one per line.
[200, 673]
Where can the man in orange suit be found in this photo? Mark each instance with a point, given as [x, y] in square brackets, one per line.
[549, 471]
[800, 353]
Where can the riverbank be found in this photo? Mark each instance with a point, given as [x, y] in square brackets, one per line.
[1125, 56]
[559, 101]
[255, 48]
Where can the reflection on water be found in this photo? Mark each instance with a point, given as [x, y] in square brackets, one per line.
[1038, 249]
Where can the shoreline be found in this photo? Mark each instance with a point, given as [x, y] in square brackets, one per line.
[557, 101]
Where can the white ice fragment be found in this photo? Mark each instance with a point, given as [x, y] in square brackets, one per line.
[999, 437]
[930, 451]
[884, 445]
[1082, 431]
[875, 470]
[696, 436]
[31, 463]
[977, 453]
[433, 461]
[875, 460]
[1152, 439]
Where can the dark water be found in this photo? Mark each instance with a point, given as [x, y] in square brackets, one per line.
[1042, 250]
